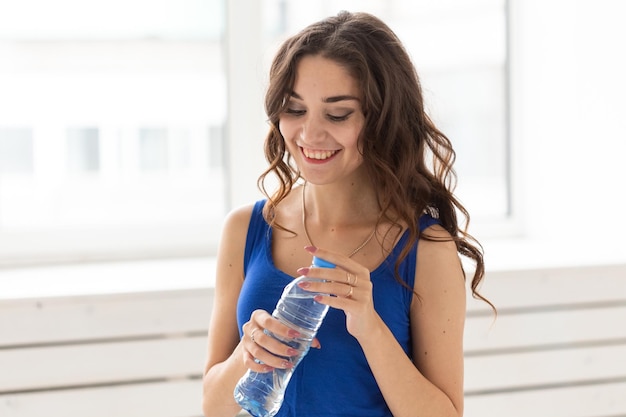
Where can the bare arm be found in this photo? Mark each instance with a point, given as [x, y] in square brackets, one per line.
[224, 365]
[229, 357]
[434, 385]
[431, 384]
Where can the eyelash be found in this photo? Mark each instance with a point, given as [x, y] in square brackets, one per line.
[330, 116]
[295, 112]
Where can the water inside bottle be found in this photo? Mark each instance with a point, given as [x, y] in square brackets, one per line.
[261, 394]
[298, 308]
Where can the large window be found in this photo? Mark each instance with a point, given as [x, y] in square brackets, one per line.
[112, 117]
[460, 50]
[129, 127]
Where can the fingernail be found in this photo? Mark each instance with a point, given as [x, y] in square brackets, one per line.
[293, 333]
[304, 284]
[287, 364]
[310, 249]
[316, 344]
[292, 352]
[303, 271]
[318, 298]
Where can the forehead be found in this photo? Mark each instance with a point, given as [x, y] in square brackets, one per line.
[317, 76]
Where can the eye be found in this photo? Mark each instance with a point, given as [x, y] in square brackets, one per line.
[339, 118]
[294, 112]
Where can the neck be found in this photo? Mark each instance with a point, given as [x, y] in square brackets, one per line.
[343, 225]
[337, 205]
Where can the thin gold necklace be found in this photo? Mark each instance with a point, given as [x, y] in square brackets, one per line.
[306, 232]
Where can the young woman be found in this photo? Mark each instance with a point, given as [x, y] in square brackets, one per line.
[365, 182]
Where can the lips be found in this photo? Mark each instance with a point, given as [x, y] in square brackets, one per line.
[318, 154]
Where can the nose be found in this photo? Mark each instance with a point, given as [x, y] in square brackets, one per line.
[312, 130]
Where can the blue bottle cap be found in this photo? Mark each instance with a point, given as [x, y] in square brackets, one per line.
[319, 262]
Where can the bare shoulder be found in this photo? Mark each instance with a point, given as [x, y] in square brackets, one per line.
[223, 331]
[238, 219]
[236, 223]
[233, 241]
[438, 262]
[436, 247]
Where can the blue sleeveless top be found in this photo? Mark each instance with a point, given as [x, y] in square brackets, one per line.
[335, 380]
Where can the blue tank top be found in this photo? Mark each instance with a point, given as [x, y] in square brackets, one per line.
[335, 380]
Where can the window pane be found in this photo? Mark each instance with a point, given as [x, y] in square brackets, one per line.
[459, 50]
[116, 99]
[16, 150]
[153, 149]
[216, 140]
[83, 149]
[112, 19]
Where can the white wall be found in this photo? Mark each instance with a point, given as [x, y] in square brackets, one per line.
[569, 133]
[569, 124]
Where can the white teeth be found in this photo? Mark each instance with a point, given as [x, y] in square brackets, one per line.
[316, 154]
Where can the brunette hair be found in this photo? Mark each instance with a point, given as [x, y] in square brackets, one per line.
[408, 159]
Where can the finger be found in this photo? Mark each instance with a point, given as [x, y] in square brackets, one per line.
[263, 357]
[353, 279]
[265, 343]
[315, 344]
[338, 289]
[338, 302]
[327, 274]
[266, 322]
[349, 293]
[255, 365]
[340, 260]
[347, 271]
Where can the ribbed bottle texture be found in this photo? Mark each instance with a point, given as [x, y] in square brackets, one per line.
[261, 394]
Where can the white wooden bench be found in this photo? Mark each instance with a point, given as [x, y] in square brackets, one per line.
[557, 348]
[107, 354]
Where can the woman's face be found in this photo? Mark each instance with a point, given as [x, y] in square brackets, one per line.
[322, 121]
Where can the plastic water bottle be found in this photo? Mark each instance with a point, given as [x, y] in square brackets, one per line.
[261, 393]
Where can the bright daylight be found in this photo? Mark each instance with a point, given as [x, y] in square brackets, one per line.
[138, 277]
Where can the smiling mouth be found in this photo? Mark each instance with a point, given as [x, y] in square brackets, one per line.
[320, 155]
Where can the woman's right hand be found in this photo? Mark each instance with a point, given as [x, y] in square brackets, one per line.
[262, 352]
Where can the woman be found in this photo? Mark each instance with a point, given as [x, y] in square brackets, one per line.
[365, 183]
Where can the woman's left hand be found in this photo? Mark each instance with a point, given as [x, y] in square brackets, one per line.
[349, 288]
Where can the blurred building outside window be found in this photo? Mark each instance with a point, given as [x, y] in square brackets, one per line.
[459, 48]
[112, 117]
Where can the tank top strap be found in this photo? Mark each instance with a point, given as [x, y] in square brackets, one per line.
[426, 220]
[407, 268]
[258, 230]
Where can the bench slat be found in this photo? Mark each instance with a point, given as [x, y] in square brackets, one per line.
[25, 322]
[98, 363]
[533, 329]
[542, 368]
[180, 398]
[575, 401]
[557, 349]
[551, 287]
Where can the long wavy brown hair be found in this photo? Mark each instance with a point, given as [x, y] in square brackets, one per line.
[409, 160]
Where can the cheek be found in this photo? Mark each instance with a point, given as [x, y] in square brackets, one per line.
[356, 136]
[286, 129]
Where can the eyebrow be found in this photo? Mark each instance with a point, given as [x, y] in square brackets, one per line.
[333, 99]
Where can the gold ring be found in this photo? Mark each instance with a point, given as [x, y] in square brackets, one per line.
[349, 278]
[349, 294]
[252, 334]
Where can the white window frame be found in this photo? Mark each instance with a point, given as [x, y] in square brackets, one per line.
[246, 127]
[247, 79]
